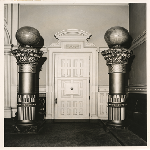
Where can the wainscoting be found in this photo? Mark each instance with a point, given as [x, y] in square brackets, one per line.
[102, 102]
[136, 110]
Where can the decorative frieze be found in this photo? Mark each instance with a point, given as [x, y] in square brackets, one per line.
[72, 46]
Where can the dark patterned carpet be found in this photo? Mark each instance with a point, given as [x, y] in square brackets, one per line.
[72, 134]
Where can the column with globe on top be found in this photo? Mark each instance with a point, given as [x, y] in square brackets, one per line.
[27, 55]
[119, 41]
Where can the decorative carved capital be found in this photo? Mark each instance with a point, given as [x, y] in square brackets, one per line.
[27, 55]
[117, 55]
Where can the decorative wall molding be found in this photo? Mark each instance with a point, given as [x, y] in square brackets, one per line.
[42, 89]
[87, 44]
[137, 89]
[7, 112]
[72, 46]
[56, 45]
[138, 41]
[7, 49]
[130, 89]
[72, 35]
[6, 13]
[103, 88]
[7, 38]
[7, 82]
[72, 32]
[102, 102]
[7, 23]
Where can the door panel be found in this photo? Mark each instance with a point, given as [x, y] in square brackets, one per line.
[72, 86]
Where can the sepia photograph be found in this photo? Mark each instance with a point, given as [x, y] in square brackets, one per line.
[75, 74]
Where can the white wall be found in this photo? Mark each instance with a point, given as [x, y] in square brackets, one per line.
[95, 19]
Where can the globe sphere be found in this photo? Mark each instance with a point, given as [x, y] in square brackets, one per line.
[117, 36]
[40, 44]
[28, 36]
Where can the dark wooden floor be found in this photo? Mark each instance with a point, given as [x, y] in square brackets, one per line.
[71, 134]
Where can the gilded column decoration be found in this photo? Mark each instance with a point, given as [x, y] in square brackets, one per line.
[27, 56]
[119, 41]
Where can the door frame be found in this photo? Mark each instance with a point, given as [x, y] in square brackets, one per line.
[72, 43]
[81, 78]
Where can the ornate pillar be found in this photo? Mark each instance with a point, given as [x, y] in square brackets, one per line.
[116, 58]
[27, 55]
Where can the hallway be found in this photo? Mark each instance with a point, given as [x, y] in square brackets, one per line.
[71, 134]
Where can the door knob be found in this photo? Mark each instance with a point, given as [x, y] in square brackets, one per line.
[71, 88]
[56, 100]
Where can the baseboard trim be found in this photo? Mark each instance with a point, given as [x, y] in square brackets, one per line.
[72, 120]
[7, 112]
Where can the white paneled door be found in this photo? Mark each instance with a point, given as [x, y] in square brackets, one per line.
[72, 75]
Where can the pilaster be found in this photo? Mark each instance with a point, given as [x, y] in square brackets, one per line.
[7, 82]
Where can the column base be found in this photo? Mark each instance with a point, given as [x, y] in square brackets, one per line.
[28, 127]
[114, 124]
